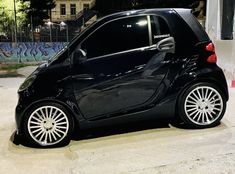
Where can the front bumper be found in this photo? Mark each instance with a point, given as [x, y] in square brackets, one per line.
[18, 117]
[24, 101]
[15, 138]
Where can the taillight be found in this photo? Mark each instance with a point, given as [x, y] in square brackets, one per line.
[212, 58]
[210, 47]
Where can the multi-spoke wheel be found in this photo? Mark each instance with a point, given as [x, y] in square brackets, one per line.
[48, 124]
[202, 105]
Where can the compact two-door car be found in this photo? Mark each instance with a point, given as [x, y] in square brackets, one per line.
[126, 67]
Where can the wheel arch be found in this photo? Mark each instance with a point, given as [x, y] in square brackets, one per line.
[201, 80]
[204, 80]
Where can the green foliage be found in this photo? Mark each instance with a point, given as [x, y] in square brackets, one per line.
[6, 22]
[7, 17]
[37, 10]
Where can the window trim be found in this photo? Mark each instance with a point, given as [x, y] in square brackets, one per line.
[74, 8]
[86, 4]
[61, 9]
[120, 52]
[123, 52]
[167, 22]
[150, 30]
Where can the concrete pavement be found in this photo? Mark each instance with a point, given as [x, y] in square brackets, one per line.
[147, 151]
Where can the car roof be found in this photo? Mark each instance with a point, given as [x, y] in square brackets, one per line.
[137, 12]
[146, 11]
[184, 13]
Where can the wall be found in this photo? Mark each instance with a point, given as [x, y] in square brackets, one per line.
[225, 50]
[213, 19]
[56, 17]
[28, 51]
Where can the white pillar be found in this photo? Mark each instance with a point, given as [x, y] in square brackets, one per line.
[218, 28]
[207, 16]
[213, 18]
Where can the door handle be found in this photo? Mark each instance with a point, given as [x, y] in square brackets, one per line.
[83, 77]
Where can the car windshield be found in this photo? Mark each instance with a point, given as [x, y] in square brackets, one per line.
[57, 55]
[69, 44]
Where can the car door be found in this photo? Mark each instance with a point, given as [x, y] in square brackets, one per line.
[123, 69]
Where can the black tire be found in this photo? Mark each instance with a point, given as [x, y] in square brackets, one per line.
[202, 105]
[53, 120]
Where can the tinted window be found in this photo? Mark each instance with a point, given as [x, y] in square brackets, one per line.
[160, 29]
[116, 36]
[185, 38]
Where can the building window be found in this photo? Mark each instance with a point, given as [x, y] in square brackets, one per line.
[62, 9]
[85, 6]
[73, 9]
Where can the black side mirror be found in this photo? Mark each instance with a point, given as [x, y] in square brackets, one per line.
[79, 55]
[167, 45]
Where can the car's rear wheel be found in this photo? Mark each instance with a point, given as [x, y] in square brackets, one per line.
[48, 124]
[202, 105]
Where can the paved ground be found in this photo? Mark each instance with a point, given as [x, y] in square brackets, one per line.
[147, 151]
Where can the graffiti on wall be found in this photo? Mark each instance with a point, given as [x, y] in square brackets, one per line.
[28, 51]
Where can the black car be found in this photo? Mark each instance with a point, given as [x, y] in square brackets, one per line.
[127, 67]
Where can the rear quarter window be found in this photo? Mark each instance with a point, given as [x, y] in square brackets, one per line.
[192, 21]
[160, 29]
[184, 36]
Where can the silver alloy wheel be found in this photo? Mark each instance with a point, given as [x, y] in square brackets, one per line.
[48, 125]
[203, 105]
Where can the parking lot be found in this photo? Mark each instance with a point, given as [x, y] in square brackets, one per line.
[144, 150]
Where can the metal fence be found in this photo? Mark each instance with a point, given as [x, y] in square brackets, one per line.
[50, 32]
[53, 33]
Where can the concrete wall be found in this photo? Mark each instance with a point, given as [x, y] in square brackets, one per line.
[213, 18]
[55, 13]
[225, 49]
[28, 51]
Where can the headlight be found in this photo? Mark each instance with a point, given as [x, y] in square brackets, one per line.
[27, 83]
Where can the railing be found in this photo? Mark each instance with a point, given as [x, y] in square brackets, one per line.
[24, 34]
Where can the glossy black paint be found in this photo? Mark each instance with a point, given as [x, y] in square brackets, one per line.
[129, 86]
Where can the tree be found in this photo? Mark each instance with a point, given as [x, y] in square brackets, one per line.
[37, 10]
[6, 23]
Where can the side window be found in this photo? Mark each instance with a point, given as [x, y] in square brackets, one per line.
[160, 29]
[116, 36]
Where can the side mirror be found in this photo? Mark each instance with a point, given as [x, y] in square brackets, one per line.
[167, 45]
[79, 55]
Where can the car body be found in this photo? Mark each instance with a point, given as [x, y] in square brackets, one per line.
[127, 67]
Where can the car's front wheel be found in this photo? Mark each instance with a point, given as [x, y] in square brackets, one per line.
[202, 105]
[48, 124]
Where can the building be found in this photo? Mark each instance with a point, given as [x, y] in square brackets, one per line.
[219, 19]
[68, 10]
